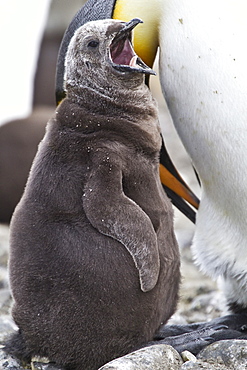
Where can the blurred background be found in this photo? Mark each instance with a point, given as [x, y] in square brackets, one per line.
[31, 32]
[30, 35]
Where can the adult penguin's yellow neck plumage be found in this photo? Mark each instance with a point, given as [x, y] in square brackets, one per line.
[149, 11]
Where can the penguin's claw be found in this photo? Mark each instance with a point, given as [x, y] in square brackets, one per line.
[194, 337]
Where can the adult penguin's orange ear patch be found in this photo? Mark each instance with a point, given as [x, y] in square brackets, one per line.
[146, 37]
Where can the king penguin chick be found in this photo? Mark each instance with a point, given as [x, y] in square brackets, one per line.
[94, 263]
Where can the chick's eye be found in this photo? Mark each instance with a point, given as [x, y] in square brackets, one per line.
[93, 44]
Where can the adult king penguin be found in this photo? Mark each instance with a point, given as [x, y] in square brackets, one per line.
[203, 77]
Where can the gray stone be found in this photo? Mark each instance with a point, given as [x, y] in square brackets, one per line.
[8, 362]
[7, 326]
[4, 278]
[231, 353]
[156, 357]
[5, 301]
[188, 356]
[199, 365]
[4, 244]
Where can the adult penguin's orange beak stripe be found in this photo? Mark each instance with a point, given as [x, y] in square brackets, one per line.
[145, 44]
[174, 184]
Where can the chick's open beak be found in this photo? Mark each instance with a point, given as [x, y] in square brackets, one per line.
[122, 54]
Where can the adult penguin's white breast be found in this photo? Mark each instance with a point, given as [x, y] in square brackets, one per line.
[204, 79]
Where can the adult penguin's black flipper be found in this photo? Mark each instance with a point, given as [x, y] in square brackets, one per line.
[175, 187]
[180, 204]
[92, 10]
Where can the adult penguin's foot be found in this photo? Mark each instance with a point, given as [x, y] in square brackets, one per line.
[194, 337]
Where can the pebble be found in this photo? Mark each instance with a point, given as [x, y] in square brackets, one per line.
[188, 356]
